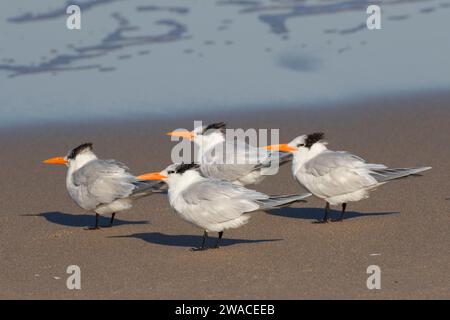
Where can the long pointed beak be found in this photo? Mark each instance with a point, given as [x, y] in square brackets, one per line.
[151, 176]
[281, 147]
[55, 160]
[181, 133]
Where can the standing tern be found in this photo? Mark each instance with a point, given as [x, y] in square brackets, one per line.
[102, 186]
[239, 162]
[212, 204]
[338, 177]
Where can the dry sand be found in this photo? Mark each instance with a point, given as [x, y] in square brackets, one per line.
[403, 227]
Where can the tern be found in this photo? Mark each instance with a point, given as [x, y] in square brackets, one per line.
[239, 162]
[338, 177]
[212, 204]
[102, 186]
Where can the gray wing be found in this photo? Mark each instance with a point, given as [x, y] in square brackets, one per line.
[383, 175]
[332, 173]
[329, 161]
[219, 201]
[145, 188]
[104, 181]
[238, 160]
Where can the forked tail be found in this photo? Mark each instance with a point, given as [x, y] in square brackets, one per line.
[280, 201]
[145, 188]
[383, 175]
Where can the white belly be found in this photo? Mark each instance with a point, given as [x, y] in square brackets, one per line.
[253, 177]
[202, 219]
[115, 206]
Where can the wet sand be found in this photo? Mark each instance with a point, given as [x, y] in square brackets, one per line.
[402, 228]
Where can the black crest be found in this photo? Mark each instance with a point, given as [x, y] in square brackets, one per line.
[216, 126]
[186, 166]
[313, 138]
[79, 149]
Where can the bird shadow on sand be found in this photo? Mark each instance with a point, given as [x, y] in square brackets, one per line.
[187, 240]
[318, 213]
[80, 220]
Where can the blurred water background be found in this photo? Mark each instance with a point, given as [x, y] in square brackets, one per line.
[163, 58]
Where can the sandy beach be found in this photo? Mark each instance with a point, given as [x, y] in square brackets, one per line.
[403, 227]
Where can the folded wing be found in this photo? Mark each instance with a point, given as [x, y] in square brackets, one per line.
[103, 181]
[215, 201]
[333, 173]
[233, 160]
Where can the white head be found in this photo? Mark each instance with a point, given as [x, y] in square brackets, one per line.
[76, 157]
[174, 174]
[203, 136]
[300, 145]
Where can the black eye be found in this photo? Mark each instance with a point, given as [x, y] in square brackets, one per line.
[170, 172]
[301, 145]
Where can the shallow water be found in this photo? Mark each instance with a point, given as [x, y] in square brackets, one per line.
[163, 58]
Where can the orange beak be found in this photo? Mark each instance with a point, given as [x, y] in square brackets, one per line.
[181, 133]
[55, 160]
[280, 147]
[151, 176]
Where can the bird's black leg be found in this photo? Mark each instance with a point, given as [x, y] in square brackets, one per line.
[344, 206]
[325, 217]
[112, 219]
[96, 227]
[203, 247]
[205, 236]
[218, 240]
